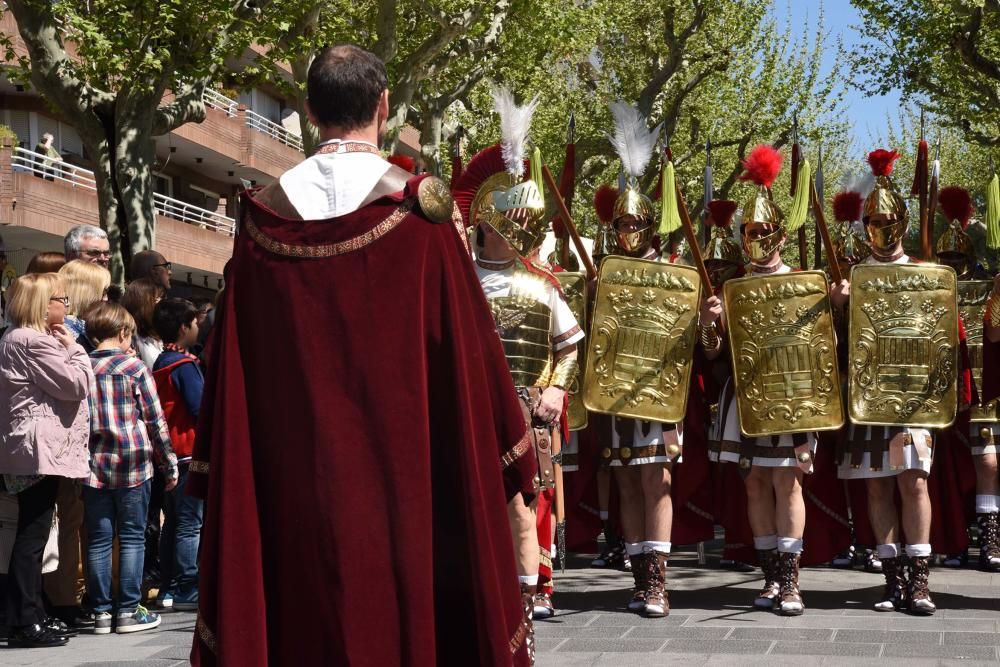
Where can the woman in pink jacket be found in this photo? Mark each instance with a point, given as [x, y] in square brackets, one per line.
[45, 377]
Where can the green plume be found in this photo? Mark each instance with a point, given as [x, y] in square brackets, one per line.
[800, 204]
[993, 213]
[670, 219]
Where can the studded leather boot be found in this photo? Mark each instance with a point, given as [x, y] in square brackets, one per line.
[640, 577]
[527, 628]
[919, 591]
[769, 593]
[657, 602]
[789, 598]
[989, 542]
[894, 595]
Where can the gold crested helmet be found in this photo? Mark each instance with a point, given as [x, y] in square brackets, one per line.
[604, 205]
[953, 247]
[632, 218]
[762, 227]
[497, 189]
[885, 214]
[723, 255]
[848, 245]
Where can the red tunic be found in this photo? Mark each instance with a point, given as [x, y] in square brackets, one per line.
[356, 405]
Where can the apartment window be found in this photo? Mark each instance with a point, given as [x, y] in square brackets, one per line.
[163, 185]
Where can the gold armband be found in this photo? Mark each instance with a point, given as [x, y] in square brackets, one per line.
[993, 305]
[709, 337]
[564, 373]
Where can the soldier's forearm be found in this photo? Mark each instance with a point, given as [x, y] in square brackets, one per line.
[566, 368]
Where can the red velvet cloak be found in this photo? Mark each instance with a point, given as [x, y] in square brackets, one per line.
[356, 406]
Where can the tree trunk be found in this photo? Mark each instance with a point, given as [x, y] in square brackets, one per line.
[430, 142]
[300, 72]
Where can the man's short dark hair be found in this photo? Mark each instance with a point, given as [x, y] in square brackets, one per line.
[143, 263]
[344, 86]
[170, 314]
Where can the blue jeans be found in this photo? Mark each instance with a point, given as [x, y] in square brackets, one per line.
[180, 537]
[109, 512]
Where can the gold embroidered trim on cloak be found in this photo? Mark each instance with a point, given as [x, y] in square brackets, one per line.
[330, 249]
[517, 451]
[199, 467]
[206, 635]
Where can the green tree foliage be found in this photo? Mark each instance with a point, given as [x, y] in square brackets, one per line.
[945, 55]
[137, 70]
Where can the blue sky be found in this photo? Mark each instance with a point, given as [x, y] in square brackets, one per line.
[869, 115]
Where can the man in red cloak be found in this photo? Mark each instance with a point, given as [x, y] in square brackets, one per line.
[361, 434]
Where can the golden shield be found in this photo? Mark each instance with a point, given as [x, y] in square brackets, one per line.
[642, 340]
[574, 289]
[903, 345]
[784, 353]
[972, 298]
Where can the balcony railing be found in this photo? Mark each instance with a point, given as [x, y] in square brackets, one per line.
[24, 160]
[216, 100]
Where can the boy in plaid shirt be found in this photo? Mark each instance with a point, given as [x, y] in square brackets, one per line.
[128, 434]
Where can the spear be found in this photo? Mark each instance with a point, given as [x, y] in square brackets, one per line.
[932, 201]
[707, 198]
[818, 247]
[692, 240]
[567, 220]
[456, 155]
[567, 181]
[824, 232]
[919, 190]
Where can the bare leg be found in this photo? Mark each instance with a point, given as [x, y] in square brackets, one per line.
[525, 535]
[987, 483]
[882, 509]
[633, 516]
[658, 505]
[790, 507]
[916, 507]
[760, 501]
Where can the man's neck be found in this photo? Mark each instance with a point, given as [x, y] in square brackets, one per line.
[770, 266]
[367, 134]
[890, 255]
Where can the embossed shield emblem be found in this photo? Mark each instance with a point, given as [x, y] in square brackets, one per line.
[972, 298]
[903, 345]
[574, 288]
[642, 340]
[784, 353]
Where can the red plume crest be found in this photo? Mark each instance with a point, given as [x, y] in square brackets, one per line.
[956, 204]
[881, 161]
[721, 212]
[847, 206]
[604, 203]
[762, 165]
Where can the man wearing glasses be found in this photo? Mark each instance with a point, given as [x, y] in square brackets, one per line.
[152, 265]
[88, 243]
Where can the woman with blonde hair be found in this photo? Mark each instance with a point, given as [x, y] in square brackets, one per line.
[86, 284]
[45, 377]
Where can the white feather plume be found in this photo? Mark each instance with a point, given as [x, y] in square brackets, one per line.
[632, 140]
[515, 123]
[862, 183]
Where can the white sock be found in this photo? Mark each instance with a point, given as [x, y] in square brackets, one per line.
[662, 547]
[528, 580]
[790, 545]
[917, 550]
[604, 515]
[765, 543]
[633, 548]
[987, 504]
[887, 550]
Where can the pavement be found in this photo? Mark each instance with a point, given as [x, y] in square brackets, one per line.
[169, 645]
[710, 624]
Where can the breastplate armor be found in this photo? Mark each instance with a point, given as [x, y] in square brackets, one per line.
[524, 322]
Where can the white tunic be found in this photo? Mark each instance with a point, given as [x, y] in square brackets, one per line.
[328, 185]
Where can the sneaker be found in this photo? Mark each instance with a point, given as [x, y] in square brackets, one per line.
[186, 601]
[102, 622]
[164, 603]
[137, 621]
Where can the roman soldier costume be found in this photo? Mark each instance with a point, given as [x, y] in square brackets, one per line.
[534, 322]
